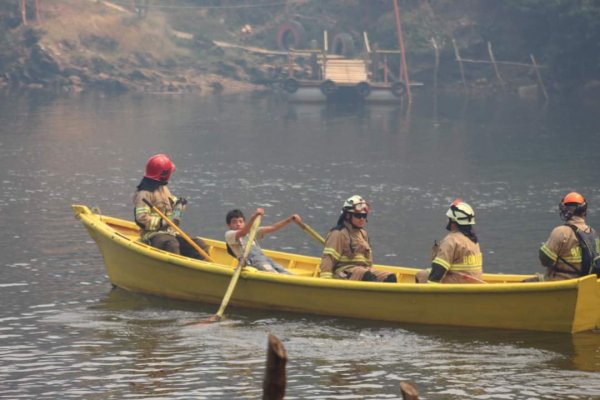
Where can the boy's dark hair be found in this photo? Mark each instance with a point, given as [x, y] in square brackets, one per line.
[234, 214]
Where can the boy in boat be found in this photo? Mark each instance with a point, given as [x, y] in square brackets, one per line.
[155, 231]
[457, 259]
[347, 252]
[573, 249]
[237, 236]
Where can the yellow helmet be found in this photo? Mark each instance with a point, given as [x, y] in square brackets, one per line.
[461, 213]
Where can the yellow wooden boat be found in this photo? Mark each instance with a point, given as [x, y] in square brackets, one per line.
[502, 302]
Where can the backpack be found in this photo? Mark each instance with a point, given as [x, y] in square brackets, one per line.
[590, 259]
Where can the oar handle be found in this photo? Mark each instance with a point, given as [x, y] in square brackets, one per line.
[311, 231]
[178, 230]
[238, 270]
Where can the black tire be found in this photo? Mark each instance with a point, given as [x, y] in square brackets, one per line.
[291, 34]
[343, 45]
[398, 89]
[290, 85]
[328, 87]
[363, 89]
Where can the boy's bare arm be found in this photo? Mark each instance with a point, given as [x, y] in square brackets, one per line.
[280, 224]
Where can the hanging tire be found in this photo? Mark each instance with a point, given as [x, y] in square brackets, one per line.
[398, 89]
[291, 34]
[363, 89]
[343, 45]
[290, 85]
[328, 87]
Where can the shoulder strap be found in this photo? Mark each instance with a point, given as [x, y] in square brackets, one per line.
[588, 251]
[230, 251]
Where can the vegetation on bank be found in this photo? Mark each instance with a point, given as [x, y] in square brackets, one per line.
[170, 45]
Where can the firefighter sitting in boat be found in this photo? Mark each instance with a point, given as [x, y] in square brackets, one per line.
[457, 258]
[573, 249]
[155, 231]
[347, 253]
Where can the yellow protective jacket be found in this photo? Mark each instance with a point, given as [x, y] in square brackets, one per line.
[458, 255]
[561, 253]
[148, 221]
[345, 248]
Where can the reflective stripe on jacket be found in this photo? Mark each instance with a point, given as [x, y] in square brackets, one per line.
[457, 253]
[562, 247]
[345, 248]
[145, 218]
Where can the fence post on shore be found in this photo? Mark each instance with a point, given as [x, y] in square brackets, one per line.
[493, 60]
[539, 77]
[409, 391]
[274, 382]
[460, 64]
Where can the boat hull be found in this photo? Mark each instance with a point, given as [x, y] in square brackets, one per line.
[566, 306]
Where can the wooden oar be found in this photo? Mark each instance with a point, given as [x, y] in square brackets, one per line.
[182, 233]
[311, 232]
[238, 270]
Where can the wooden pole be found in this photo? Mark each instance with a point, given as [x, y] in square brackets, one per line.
[457, 55]
[275, 377]
[493, 60]
[325, 49]
[23, 12]
[539, 77]
[404, 67]
[409, 391]
[385, 69]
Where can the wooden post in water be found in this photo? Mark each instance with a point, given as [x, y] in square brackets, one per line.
[403, 64]
[274, 383]
[460, 64]
[493, 60]
[409, 391]
[539, 77]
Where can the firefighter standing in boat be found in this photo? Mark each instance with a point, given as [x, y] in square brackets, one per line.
[153, 188]
[347, 253]
[572, 247]
[457, 258]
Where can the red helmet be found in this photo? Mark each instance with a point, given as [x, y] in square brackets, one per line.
[159, 168]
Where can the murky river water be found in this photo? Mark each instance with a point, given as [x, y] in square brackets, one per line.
[65, 334]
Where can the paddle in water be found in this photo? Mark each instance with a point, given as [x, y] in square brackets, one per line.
[236, 273]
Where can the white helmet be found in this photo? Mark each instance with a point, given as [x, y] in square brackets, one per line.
[461, 213]
[356, 204]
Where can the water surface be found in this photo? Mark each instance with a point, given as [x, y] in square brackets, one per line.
[66, 333]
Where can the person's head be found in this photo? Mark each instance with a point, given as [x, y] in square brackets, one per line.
[460, 216]
[355, 211]
[573, 204]
[159, 168]
[235, 219]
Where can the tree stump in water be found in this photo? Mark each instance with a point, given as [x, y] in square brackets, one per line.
[274, 383]
[409, 391]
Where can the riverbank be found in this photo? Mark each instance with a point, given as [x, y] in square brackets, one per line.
[77, 46]
[73, 46]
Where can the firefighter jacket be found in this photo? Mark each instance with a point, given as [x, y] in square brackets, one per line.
[459, 256]
[561, 254]
[150, 222]
[345, 248]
